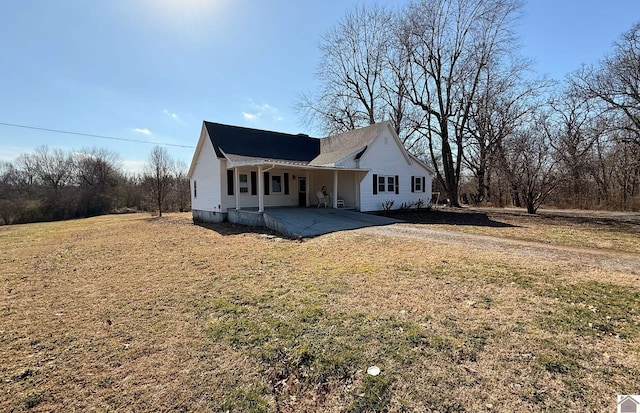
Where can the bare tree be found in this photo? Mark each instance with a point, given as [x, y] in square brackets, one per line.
[158, 175]
[506, 100]
[450, 44]
[531, 163]
[182, 187]
[54, 168]
[7, 192]
[573, 119]
[98, 176]
[362, 72]
[351, 72]
[615, 83]
[26, 171]
[623, 167]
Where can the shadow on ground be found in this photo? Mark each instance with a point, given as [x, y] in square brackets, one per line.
[226, 228]
[223, 228]
[450, 217]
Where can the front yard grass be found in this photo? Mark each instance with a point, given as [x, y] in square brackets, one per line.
[137, 313]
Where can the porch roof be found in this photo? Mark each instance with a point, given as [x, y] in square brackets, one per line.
[238, 161]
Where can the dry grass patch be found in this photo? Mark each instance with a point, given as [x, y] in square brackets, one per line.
[135, 313]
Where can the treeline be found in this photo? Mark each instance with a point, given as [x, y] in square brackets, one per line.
[449, 75]
[50, 185]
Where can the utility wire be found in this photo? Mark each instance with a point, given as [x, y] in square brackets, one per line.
[95, 136]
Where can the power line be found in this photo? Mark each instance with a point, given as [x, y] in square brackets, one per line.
[95, 136]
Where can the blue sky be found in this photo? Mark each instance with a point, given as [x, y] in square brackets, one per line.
[153, 70]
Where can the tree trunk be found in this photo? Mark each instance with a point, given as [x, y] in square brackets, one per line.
[450, 178]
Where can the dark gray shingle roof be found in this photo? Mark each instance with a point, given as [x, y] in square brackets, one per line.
[261, 144]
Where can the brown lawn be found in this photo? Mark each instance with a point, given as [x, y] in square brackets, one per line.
[501, 312]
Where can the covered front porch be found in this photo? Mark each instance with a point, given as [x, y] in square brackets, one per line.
[263, 185]
[295, 222]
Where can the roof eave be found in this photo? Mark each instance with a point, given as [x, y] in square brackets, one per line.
[196, 153]
[270, 164]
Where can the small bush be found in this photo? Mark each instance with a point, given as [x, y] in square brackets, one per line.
[387, 205]
[405, 206]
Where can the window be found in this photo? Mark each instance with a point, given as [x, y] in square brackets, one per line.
[195, 189]
[386, 184]
[391, 187]
[244, 184]
[276, 183]
[381, 185]
[418, 183]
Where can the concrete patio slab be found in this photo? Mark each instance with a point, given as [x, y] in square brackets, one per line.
[311, 222]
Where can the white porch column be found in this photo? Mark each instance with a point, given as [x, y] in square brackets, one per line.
[308, 178]
[260, 190]
[236, 187]
[334, 198]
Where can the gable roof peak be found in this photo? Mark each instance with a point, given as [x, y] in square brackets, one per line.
[353, 139]
[337, 147]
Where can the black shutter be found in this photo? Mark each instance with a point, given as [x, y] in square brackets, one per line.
[267, 184]
[254, 183]
[286, 183]
[375, 184]
[423, 182]
[413, 184]
[397, 185]
[229, 181]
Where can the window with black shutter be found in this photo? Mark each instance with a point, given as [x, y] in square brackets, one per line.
[286, 183]
[230, 182]
[254, 183]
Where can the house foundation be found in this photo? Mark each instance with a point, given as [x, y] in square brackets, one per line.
[211, 217]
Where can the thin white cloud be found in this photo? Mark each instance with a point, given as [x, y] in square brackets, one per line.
[143, 131]
[10, 153]
[133, 166]
[172, 115]
[262, 112]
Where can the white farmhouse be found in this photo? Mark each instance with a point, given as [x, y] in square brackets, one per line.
[236, 168]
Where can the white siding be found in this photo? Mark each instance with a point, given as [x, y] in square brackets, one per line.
[347, 186]
[251, 201]
[207, 176]
[384, 156]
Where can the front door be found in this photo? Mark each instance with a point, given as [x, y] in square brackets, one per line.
[302, 191]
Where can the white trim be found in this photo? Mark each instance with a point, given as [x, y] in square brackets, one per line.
[196, 154]
[417, 183]
[273, 164]
[260, 189]
[236, 187]
[240, 187]
[334, 199]
[386, 184]
[281, 190]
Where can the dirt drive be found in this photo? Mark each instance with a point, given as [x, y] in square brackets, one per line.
[575, 255]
